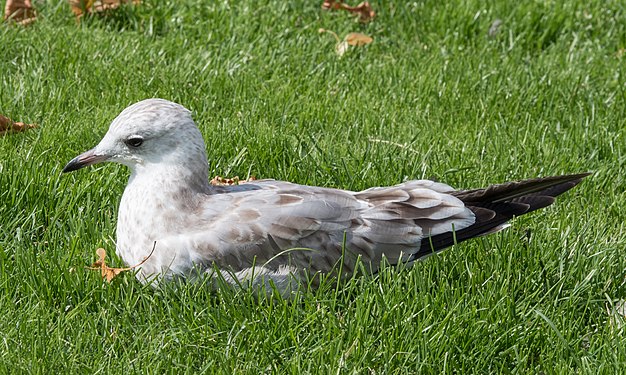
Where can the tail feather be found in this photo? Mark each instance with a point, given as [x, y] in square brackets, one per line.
[497, 204]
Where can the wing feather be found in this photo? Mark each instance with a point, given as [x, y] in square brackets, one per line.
[267, 220]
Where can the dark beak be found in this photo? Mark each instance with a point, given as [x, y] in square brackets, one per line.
[83, 160]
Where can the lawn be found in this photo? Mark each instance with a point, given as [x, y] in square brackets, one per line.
[436, 95]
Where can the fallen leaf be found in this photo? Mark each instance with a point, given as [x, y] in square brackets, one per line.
[81, 7]
[357, 39]
[109, 273]
[19, 11]
[222, 181]
[352, 39]
[332, 4]
[363, 10]
[8, 126]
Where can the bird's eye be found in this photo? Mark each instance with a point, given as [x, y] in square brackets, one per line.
[134, 142]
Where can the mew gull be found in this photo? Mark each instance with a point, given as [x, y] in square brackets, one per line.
[277, 232]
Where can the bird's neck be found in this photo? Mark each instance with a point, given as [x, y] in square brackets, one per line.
[164, 178]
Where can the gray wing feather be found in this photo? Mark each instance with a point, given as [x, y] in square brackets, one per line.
[267, 219]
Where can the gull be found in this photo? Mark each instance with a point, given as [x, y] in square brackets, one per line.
[274, 233]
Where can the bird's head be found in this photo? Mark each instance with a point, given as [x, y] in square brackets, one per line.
[148, 133]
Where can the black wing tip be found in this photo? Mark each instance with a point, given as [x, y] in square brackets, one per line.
[552, 185]
[561, 185]
[494, 213]
[575, 179]
[582, 175]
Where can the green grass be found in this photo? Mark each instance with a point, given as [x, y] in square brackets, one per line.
[432, 97]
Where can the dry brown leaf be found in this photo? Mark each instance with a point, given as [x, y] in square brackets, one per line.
[332, 4]
[357, 39]
[81, 7]
[363, 10]
[19, 11]
[222, 181]
[109, 273]
[8, 126]
[352, 39]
